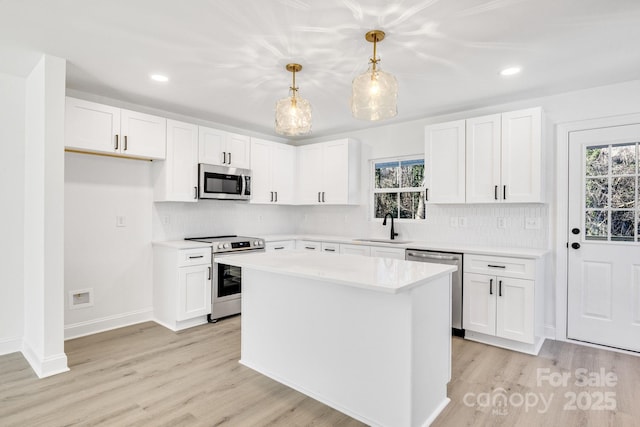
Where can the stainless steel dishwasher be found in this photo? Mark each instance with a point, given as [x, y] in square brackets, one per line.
[450, 258]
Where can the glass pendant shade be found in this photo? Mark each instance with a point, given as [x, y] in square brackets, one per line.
[374, 95]
[293, 114]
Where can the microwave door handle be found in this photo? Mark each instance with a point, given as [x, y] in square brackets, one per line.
[244, 185]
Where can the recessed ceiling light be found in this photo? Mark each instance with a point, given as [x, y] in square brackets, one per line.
[159, 78]
[510, 71]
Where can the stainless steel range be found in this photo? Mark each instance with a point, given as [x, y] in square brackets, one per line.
[226, 282]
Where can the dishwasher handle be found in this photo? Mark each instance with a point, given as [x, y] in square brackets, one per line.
[432, 256]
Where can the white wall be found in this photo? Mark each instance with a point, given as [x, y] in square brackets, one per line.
[43, 340]
[12, 110]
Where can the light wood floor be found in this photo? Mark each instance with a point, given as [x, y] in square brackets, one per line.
[146, 375]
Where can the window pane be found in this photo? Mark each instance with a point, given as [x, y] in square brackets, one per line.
[412, 173]
[597, 192]
[622, 225]
[387, 175]
[412, 205]
[386, 203]
[623, 159]
[597, 161]
[596, 224]
[623, 192]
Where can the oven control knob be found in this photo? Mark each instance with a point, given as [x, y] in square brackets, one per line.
[260, 242]
[220, 246]
[226, 246]
[256, 243]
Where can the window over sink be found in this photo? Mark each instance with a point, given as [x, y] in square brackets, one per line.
[398, 187]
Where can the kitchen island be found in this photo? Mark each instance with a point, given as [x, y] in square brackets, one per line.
[370, 337]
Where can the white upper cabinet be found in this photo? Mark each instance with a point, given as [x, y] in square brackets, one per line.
[328, 173]
[489, 159]
[176, 179]
[444, 173]
[97, 128]
[483, 159]
[223, 148]
[522, 156]
[272, 173]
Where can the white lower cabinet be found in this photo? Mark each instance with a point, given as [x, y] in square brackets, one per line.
[502, 302]
[355, 250]
[181, 286]
[280, 245]
[384, 252]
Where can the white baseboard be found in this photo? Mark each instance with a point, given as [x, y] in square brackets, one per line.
[90, 327]
[45, 367]
[10, 345]
[550, 332]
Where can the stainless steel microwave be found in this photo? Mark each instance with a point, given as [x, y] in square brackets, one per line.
[223, 182]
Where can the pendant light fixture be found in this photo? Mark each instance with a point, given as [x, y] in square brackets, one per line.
[293, 114]
[374, 93]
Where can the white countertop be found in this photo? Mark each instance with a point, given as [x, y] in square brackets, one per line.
[417, 244]
[182, 244]
[378, 274]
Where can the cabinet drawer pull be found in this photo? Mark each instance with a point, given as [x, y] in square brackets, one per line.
[116, 142]
[278, 248]
[125, 143]
[496, 266]
[500, 288]
[310, 247]
[329, 250]
[196, 256]
[490, 286]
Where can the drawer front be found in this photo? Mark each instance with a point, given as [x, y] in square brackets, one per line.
[280, 246]
[518, 268]
[198, 256]
[308, 245]
[330, 248]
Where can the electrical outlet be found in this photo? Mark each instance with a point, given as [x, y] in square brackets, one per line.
[453, 221]
[166, 220]
[121, 221]
[532, 223]
[462, 221]
[502, 223]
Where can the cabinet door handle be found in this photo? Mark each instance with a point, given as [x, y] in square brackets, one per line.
[319, 197]
[195, 192]
[125, 143]
[495, 192]
[276, 200]
[224, 158]
[504, 192]
[271, 196]
[209, 268]
[500, 288]
[323, 197]
[426, 194]
[229, 158]
[490, 286]
[496, 266]
[116, 143]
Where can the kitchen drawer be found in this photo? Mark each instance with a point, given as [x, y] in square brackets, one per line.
[199, 256]
[281, 245]
[331, 248]
[355, 250]
[308, 245]
[519, 268]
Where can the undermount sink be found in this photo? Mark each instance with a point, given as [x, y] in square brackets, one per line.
[395, 241]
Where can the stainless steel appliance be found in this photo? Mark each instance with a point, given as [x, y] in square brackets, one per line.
[450, 258]
[223, 182]
[226, 282]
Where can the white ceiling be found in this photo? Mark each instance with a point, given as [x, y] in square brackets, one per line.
[226, 58]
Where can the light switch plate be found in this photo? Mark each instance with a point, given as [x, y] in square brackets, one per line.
[462, 221]
[121, 221]
[502, 223]
[532, 223]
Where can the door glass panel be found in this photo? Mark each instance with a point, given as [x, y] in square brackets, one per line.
[611, 192]
[597, 225]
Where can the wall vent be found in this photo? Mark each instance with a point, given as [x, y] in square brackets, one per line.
[80, 298]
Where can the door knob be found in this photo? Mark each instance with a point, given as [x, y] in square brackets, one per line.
[575, 230]
[575, 245]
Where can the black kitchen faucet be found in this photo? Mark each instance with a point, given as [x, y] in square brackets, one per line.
[384, 222]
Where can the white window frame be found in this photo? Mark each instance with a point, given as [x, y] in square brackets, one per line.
[374, 190]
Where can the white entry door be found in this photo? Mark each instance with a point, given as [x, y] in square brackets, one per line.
[603, 300]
